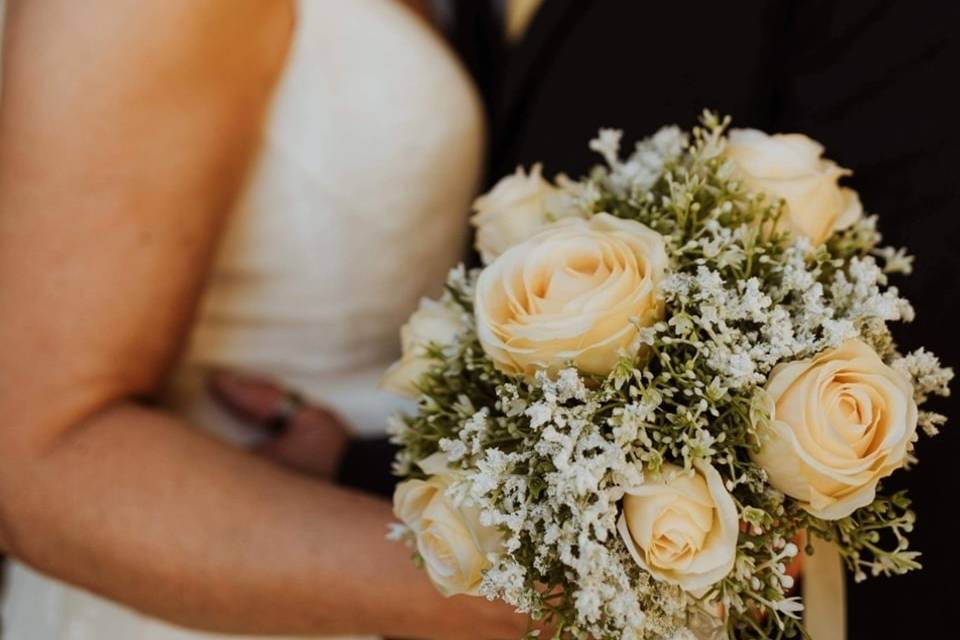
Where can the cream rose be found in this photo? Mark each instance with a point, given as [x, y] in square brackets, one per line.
[454, 546]
[839, 423]
[790, 166]
[514, 210]
[433, 323]
[682, 527]
[575, 292]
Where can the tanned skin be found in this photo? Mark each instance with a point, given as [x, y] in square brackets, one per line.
[126, 128]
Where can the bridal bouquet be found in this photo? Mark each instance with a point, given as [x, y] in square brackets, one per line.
[666, 376]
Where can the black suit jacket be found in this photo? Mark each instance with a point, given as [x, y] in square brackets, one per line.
[874, 81]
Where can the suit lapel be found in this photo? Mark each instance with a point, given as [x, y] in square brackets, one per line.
[477, 36]
[523, 61]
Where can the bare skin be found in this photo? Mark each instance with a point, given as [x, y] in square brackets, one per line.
[125, 130]
[314, 439]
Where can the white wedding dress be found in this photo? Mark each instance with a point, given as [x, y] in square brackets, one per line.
[356, 208]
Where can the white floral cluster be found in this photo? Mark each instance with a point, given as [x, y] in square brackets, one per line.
[745, 327]
[645, 165]
[573, 517]
[929, 378]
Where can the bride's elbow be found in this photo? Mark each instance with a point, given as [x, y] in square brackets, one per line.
[33, 485]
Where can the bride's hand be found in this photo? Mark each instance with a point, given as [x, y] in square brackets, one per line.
[304, 437]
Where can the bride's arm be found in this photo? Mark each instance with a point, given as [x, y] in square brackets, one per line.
[125, 130]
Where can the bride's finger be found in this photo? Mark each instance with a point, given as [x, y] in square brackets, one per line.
[307, 438]
[254, 399]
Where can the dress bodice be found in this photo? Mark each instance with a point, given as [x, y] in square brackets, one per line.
[355, 208]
